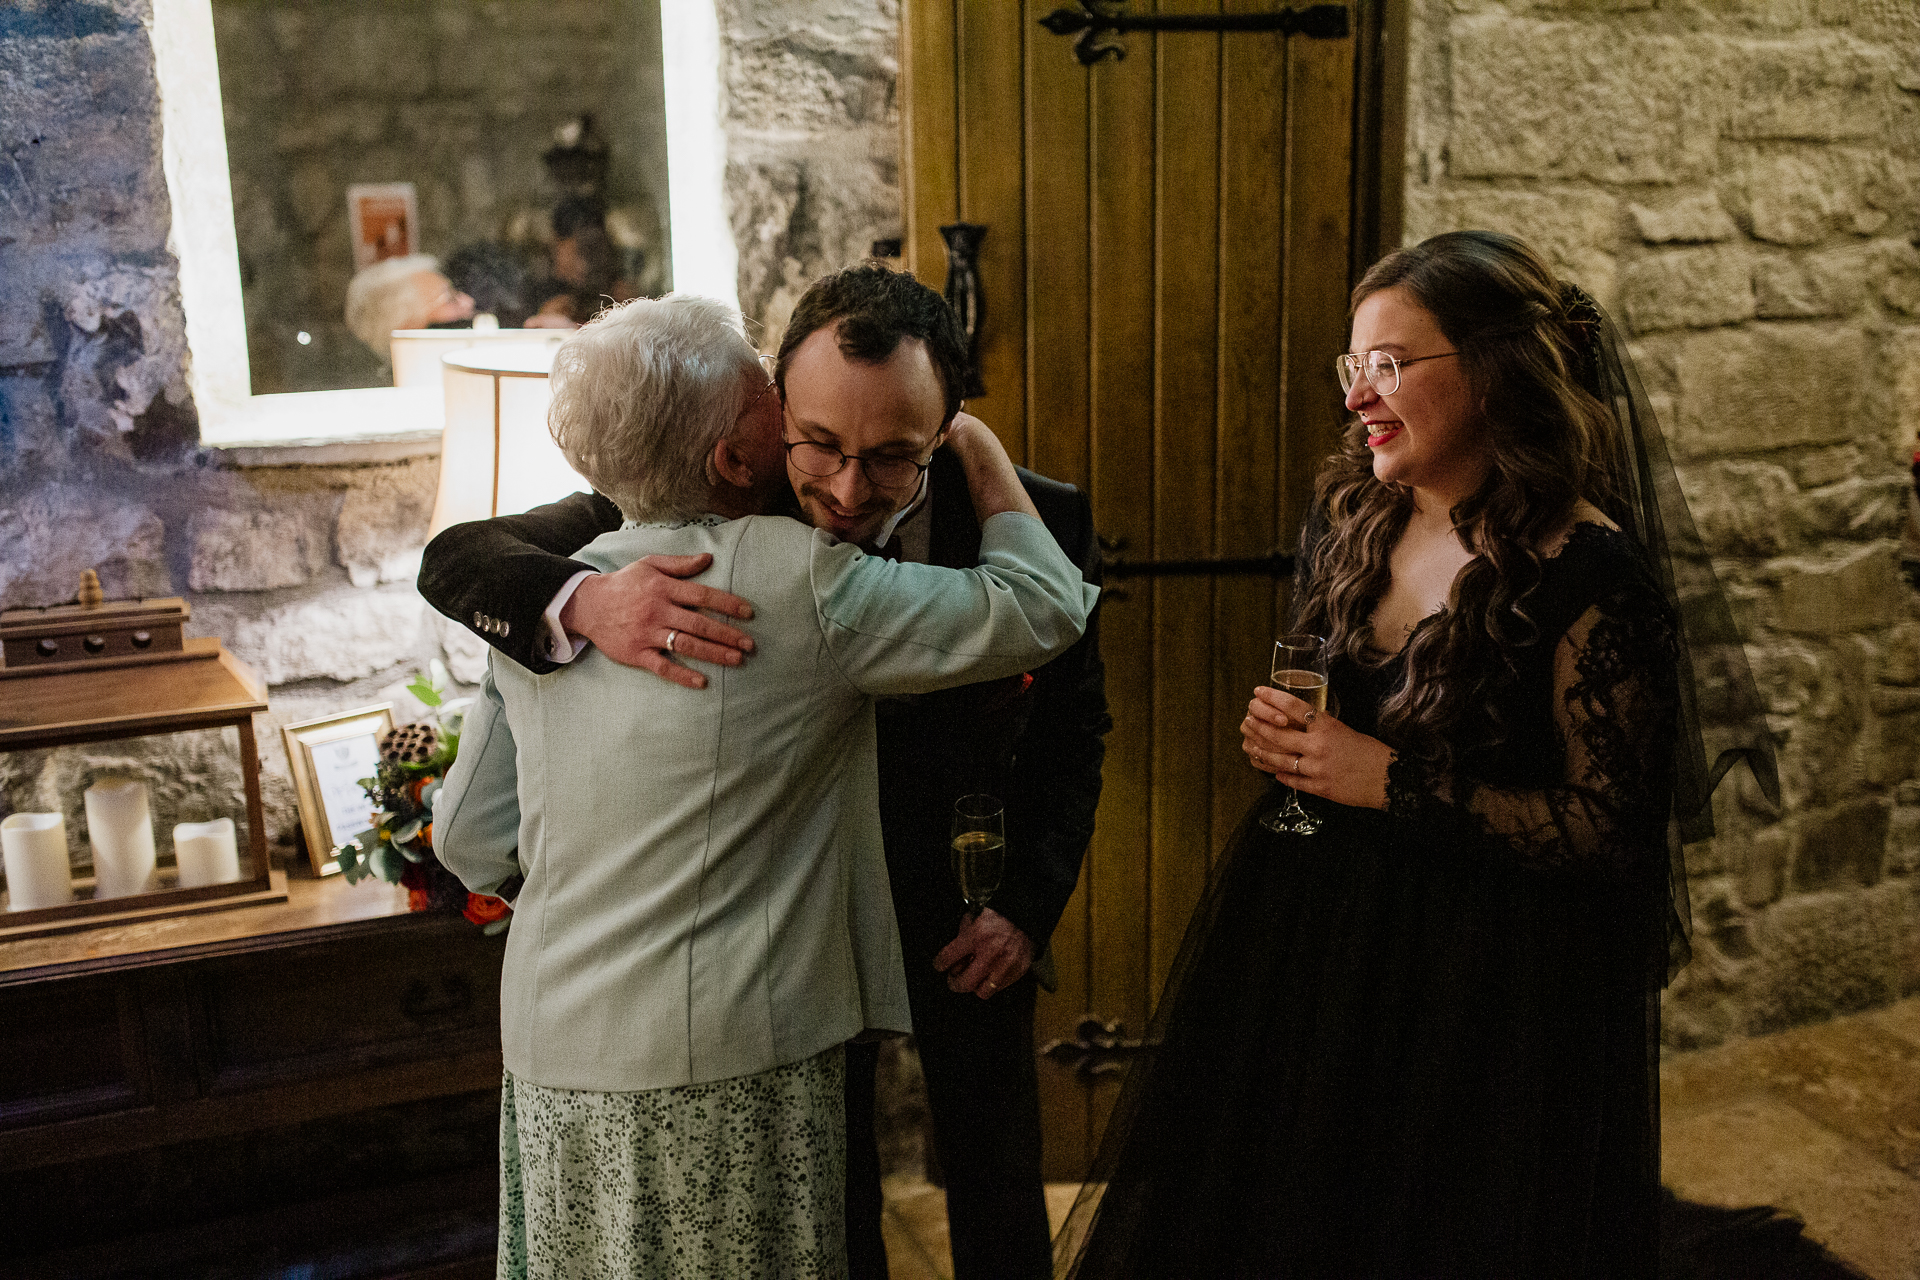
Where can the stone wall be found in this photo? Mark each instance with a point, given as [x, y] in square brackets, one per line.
[458, 97]
[813, 142]
[1739, 181]
[305, 572]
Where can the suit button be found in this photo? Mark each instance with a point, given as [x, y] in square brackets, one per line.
[505, 627]
[479, 620]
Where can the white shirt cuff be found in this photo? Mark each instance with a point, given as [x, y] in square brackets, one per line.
[561, 647]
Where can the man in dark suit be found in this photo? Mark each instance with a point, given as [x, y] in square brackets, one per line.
[867, 471]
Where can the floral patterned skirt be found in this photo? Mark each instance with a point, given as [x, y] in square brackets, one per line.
[741, 1177]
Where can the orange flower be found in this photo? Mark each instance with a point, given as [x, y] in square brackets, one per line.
[418, 900]
[426, 835]
[483, 909]
[418, 785]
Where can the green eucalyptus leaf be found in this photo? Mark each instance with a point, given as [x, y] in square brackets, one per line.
[388, 862]
[405, 833]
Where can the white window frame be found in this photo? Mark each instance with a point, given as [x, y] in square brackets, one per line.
[380, 423]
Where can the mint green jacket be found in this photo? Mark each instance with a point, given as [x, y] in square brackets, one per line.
[705, 892]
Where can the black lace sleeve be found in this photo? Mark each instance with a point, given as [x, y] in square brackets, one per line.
[1615, 701]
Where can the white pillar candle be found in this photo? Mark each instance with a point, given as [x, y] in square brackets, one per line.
[38, 874]
[206, 853]
[122, 835]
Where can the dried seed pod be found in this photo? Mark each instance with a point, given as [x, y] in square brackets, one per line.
[409, 744]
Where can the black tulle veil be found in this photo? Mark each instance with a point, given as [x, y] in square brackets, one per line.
[1721, 722]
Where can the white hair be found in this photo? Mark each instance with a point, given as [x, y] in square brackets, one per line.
[643, 392]
[387, 296]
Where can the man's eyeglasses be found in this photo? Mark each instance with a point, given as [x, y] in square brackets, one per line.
[1381, 370]
[821, 460]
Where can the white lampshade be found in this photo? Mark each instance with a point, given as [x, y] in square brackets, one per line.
[416, 352]
[496, 455]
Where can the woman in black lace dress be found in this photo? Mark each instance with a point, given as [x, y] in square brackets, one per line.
[1421, 1042]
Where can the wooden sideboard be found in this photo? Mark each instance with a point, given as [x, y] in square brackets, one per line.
[307, 1087]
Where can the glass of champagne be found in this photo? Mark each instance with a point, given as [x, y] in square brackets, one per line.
[1299, 668]
[979, 848]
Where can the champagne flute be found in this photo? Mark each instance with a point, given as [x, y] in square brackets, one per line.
[1299, 668]
[979, 848]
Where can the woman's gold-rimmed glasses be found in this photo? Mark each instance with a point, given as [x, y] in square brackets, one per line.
[1382, 371]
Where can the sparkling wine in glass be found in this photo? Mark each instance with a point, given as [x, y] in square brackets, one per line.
[1299, 668]
[979, 848]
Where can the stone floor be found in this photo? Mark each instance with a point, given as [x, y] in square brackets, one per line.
[1823, 1121]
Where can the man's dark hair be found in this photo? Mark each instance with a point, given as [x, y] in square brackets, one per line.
[575, 214]
[872, 308]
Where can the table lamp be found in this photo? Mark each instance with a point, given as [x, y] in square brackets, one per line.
[496, 456]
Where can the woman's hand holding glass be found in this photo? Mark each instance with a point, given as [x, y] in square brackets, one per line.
[1313, 752]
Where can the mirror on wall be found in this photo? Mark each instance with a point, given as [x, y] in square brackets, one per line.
[520, 143]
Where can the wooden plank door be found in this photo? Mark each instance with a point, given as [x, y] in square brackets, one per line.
[1165, 275]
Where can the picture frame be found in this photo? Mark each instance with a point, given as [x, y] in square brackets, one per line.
[329, 755]
[384, 218]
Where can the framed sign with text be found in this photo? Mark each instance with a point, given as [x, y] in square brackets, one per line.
[330, 755]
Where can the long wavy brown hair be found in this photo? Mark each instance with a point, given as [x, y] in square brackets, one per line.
[1507, 315]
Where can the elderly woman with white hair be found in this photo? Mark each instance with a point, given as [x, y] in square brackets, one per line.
[703, 918]
[402, 293]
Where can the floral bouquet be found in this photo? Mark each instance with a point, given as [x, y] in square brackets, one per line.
[414, 759]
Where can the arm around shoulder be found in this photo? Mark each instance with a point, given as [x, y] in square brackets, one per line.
[496, 577]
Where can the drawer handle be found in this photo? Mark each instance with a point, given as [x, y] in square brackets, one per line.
[420, 1003]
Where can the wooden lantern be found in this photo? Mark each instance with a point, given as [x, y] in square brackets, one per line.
[95, 671]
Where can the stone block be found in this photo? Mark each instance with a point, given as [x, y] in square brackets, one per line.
[1742, 508]
[1640, 117]
[1899, 359]
[1762, 862]
[340, 635]
[1903, 842]
[56, 532]
[383, 522]
[1804, 195]
[1899, 660]
[1889, 750]
[1831, 953]
[1857, 591]
[794, 219]
[254, 550]
[81, 139]
[127, 345]
[1817, 284]
[792, 84]
[1574, 228]
[1896, 269]
[1819, 467]
[1768, 387]
[1690, 219]
[1688, 289]
[1821, 88]
[1858, 507]
[1842, 846]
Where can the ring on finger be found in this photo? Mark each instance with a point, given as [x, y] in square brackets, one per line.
[671, 636]
[1296, 763]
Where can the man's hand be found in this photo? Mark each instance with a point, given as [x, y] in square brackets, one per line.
[990, 954]
[630, 615]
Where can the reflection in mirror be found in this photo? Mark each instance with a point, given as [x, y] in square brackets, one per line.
[529, 136]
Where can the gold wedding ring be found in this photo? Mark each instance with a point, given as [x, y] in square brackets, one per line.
[670, 639]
